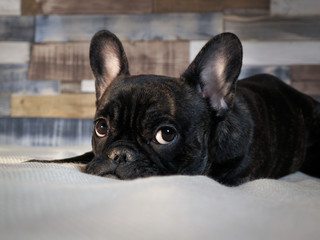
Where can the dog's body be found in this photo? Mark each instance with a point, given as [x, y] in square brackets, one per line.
[203, 123]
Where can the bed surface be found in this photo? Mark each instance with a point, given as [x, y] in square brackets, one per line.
[51, 201]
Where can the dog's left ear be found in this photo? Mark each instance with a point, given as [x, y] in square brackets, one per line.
[215, 70]
[107, 59]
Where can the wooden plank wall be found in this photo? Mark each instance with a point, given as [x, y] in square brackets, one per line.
[45, 76]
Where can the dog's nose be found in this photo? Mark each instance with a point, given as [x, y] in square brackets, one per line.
[122, 155]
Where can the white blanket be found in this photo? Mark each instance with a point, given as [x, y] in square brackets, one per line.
[51, 201]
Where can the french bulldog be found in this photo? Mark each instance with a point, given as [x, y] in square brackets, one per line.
[203, 123]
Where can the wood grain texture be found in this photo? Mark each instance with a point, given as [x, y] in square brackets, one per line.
[13, 28]
[31, 7]
[70, 87]
[10, 7]
[302, 73]
[63, 28]
[295, 7]
[96, 6]
[13, 79]
[14, 52]
[5, 104]
[168, 58]
[70, 61]
[272, 53]
[45, 131]
[161, 6]
[263, 28]
[60, 61]
[64, 106]
[308, 87]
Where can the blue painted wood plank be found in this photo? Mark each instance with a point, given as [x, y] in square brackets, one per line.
[4, 104]
[14, 79]
[128, 27]
[45, 131]
[17, 28]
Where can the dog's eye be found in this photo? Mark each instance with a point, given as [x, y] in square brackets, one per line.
[165, 135]
[101, 128]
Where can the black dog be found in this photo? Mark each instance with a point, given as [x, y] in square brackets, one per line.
[203, 123]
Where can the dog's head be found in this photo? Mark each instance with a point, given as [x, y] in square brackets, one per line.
[155, 125]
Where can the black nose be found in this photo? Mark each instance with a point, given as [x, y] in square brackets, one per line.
[122, 155]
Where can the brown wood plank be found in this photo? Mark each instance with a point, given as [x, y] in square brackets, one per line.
[308, 87]
[64, 106]
[30, 7]
[168, 58]
[165, 6]
[300, 73]
[70, 61]
[95, 6]
[60, 61]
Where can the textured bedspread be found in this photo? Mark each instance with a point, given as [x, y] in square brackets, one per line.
[51, 201]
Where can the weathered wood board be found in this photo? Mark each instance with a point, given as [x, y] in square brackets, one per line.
[306, 78]
[45, 131]
[60, 61]
[17, 28]
[168, 58]
[64, 106]
[205, 5]
[13, 79]
[95, 6]
[295, 7]
[4, 104]
[70, 61]
[70, 87]
[272, 53]
[14, 52]
[63, 28]
[10, 7]
[264, 28]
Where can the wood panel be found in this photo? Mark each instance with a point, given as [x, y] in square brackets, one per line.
[295, 7]
[95, 6]
[70, 61]
[161, 6]
[64, 28]
[14, 52]
[10, 7]
[272, 53]
[60, 61]
[5, 104]
[305, 73]
[306, 78]
[264, 28]
[64, 106]
[13, 28]
[70, 87]
[31, 7]
[168, 58]
[45, 131]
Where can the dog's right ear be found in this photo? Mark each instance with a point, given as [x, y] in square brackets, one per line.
[107, 59]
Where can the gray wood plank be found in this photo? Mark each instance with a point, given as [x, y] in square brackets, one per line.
[14, 28]
[272, 53]
[264, 28]
[295, 7]
[5, 104]
[14, 79]
[45, 131]
[14, 52]
[128, 27]
[10, 7]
